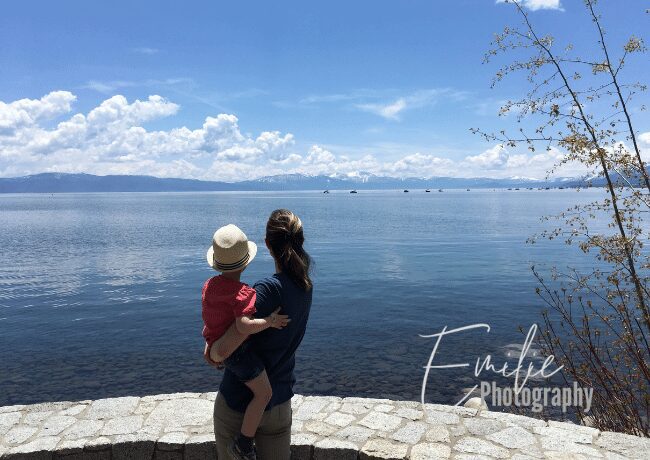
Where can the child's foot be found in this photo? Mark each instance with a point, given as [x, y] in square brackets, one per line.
[242, 448]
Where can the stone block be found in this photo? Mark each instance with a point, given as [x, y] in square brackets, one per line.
[383, 408]
[103, 409]
[302, 446]
[122, 425]
[438, 417]
[8, 420]
[14, 408]
[482, 426]
[19, 434]
[310, 407]
[355, 433]
[631, 446]
[167, 455]
[83, 429]
[132, 447]
[54, 425]
[100, 443]
[430, 451]
[335, 449]
[320, 428]
[67, 446]
[438, 433]
[171, 441]
[339, 419]
[409, 413]
[514, 419]
[514, 437]
[74, 410]
[411, 433]
[472, 445]
[200, 447]
[381, 449]
[355, 408]
[36, 418]
[564, 435]
[380, 421]
[40, 448]
[181, 412]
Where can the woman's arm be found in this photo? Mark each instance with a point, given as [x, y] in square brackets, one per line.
[226, 344]
[237, 333]
[248, 325]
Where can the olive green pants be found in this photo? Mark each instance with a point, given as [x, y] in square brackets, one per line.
[273, 437]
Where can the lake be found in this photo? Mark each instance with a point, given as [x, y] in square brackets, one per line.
[100, 293]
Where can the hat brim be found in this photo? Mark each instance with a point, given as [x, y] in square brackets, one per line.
[252, 252]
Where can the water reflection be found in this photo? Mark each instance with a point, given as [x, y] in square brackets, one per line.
[110, 285]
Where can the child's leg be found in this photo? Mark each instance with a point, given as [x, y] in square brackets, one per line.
[261, 388]
[226, 344]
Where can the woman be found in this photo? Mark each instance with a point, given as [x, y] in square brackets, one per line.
[291, 288]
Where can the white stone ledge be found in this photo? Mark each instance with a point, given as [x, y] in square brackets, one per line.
[179, 427]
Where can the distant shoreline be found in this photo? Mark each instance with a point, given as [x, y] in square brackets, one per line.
[87, 183]
[311, 191]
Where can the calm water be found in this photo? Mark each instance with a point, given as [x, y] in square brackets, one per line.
[100, 293]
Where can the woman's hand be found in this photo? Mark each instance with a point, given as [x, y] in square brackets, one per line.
[276, 320]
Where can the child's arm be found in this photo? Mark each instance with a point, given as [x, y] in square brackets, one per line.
[249, 325]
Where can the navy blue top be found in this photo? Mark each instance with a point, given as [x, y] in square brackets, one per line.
[276, 347]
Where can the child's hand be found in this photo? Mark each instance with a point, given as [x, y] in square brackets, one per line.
[206, 355]
[277, 320]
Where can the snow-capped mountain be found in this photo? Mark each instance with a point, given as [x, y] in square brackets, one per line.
[61, 182]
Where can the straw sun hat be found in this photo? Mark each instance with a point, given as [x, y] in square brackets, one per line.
[230, 251]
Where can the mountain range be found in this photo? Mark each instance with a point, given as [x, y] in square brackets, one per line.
[63, 182]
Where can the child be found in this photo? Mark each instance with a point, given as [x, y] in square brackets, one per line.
[226, 300]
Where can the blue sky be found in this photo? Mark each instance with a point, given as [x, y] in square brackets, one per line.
[235, 90]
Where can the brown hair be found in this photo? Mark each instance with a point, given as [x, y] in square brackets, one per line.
[285, 237]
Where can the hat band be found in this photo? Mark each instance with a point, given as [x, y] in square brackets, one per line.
[233, 266]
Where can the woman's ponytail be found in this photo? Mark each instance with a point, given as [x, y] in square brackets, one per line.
[285, 238]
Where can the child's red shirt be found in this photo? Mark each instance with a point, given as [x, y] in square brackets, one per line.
[223, 300]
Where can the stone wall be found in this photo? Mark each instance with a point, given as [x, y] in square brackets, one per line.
[179, 427]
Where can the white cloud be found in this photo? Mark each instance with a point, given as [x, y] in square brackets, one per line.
[645, 138]
[492, 158]
[107, 87]
[535, 5]
[113, 138]
[318, 155]
[420, 165]
[25, 112]
[118, 111]
[291, 158]
[110, 86]
[422, 98]
[273, 140]
[389, 111]
[146, 50]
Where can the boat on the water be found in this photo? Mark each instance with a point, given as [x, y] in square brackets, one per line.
[406, 191]
[428, 191]
[326, 191]
[440, 190]
[353, 191]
